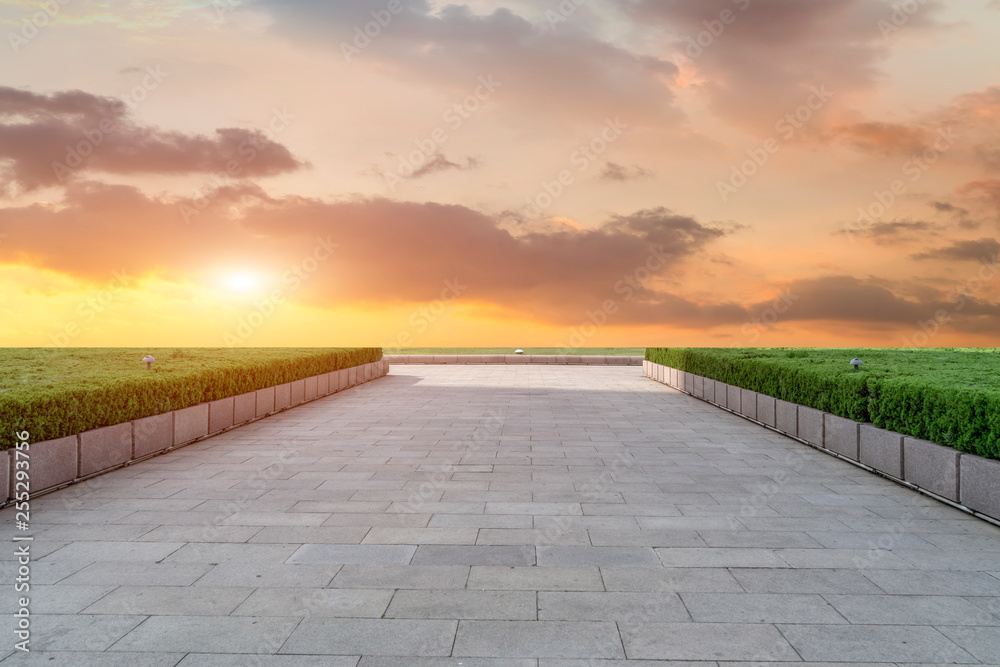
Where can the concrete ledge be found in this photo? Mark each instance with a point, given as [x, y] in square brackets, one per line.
[5, 477]
[811, 425]
[152, 434]
[733, 397]
[221, 414]
[64, 460]
[265, 401]
[980, 488]
[103, 448]
[882, 450]
[283, 396]
[722, 394]
[448, 359]
[190, 424]
[709, 389]
[343, 379]
[786, 417]
[970, 481]
[933, 467]
[841, 435]
[53, 462]
[297, 392]
[244, 407]
[765, 409]
[748, 403]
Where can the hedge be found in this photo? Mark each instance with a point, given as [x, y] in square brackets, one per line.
[910, 391]
[99, 396]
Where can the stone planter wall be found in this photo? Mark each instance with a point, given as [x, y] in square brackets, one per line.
[55, 463]
[587, 360]
[967, 480]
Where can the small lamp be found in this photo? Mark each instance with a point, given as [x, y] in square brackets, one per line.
[149, 361]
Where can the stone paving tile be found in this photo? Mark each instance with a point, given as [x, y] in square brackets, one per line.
[910, 610]
[923, 582]
[321, 602]
[138, 574]
[704, 580]
[543, 639]
[386, 637]
[80, 632]
[760, 608]
[170, 601]
[57, 599]
[219, 660]
[596, 556]
[79, 659]
[298, 535]
[698, 557]
[398, 576]
[873, 643]
[268, 575]
[200, 534]
[390, 535]
[464, 604]
[611, 606]
[212, 634]
[536, 579]
[375, 661]
[708, 641]
[432, 494]
[805, 581]
[476, 555]
[536, 537]
[114, 551]
[340, 554]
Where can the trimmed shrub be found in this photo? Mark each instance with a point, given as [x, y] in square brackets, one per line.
[953, 399]
[112, 387]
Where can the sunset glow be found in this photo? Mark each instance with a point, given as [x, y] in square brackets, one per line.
[585, 173]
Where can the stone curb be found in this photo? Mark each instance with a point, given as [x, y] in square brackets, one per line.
[57, 463]
[448, 359]
[967, 480]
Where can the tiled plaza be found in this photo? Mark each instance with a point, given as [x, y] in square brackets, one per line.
[544, 516]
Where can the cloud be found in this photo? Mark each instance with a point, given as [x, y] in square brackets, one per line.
[613, 171]
[989, 189]
[565, 74]
[398, 252]
[841, 299]
[439, 163]
[760, 65]
[946, 207]
[978, 250]
[885, 138]
[887, 233]
[972, 117]
[48, 140]
[553, 274]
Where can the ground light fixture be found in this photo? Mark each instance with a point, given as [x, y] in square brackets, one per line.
[149, 361]
[856, 363]
[518, 351]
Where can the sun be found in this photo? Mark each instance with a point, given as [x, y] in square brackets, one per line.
[242, 282]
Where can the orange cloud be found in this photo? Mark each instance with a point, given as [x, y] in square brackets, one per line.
[52, 139]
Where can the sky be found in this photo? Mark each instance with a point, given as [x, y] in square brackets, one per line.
[568, 173]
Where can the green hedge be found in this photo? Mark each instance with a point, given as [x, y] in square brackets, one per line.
[110, 386]
[947, 395]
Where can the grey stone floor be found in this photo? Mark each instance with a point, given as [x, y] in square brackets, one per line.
[503, 515]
